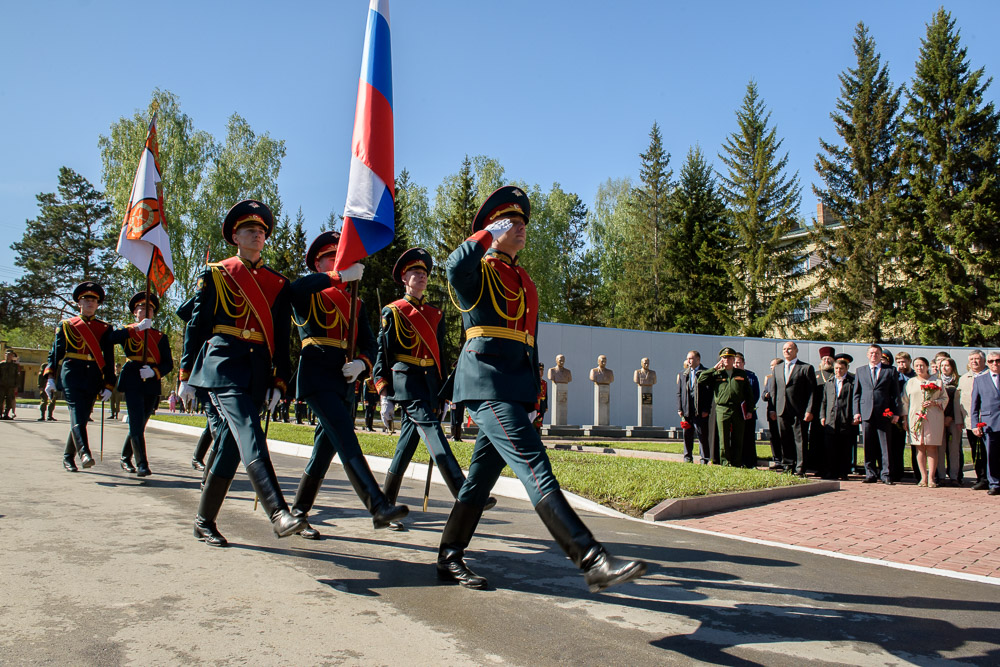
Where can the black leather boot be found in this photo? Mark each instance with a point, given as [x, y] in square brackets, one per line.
[455, 538]
[204, 442]
[390, 489]
[208, 464]
[126, 465]
[265, 484]
[141, 463]
[454, 478]
[600, 569]
[79, 435]
[42, 417]
[212, 496]
[305, 496]
[69, 455]
[383, 512]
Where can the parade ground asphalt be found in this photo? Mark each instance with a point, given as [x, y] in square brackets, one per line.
[101, 568]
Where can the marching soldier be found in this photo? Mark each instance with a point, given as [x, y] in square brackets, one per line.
[148, 358]
[497, 379]
[322, 306]
[734, 403]
[81, 365]
[47, 397]
[236, 349]
[408, 372]
[9, 372]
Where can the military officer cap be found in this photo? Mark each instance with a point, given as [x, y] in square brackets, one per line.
[246, 212]
[727, 352]
[322, 245]
[846, 357]
[140, 297]
[826, 351]
[89, 288]
[505, 201]
[887, 356]
[414, 258]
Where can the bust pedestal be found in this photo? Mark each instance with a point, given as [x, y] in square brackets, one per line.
[602, 404]
[644, 396]
[559, 412]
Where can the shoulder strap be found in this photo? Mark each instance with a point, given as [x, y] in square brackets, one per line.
[254, 296]
[423, 328]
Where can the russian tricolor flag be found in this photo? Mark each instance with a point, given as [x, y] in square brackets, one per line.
[369, 220]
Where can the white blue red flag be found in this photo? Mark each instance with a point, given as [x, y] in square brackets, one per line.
[143, 239]
[369, 218]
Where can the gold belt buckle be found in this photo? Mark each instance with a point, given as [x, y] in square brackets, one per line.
[246, 333]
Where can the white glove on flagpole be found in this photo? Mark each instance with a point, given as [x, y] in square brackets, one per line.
[351, 273]
[386, 408]
[146, 372]
[352, 369]
[105, 394]
[185, 392]
[144, 324]
[273, 396]
[498, 227]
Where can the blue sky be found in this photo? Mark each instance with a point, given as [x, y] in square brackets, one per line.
[559, 92]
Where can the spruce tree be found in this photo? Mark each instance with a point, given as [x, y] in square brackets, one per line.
[644, 272]
[696, 288]
[860, 179]
[762, 203]
[948, 229]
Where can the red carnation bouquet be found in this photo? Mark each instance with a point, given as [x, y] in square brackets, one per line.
[888, 413]
[929, 389]
[981, 425]
[685, 424]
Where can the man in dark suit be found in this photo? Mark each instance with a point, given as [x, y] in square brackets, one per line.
[837, 419]
[693, 403]
[771, 414]
[876, 390]
[986, 410]
[795, 406]
[750, 427]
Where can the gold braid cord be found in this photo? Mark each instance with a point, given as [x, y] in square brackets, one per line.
[496, 285]
[316, 306]
[73, 339]
[233, 303]
[403, 329]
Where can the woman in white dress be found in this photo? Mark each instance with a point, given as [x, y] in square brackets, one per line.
[924, 401]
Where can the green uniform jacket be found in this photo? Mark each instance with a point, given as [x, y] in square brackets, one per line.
[321, 366]
[9, 370]
[729, 393]
[487, 283]
[129, 378]
[82, 374]
[404, 381]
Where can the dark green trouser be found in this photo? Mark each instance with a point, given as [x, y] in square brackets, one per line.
[140, 407]
[730, 429]
[506, 437]
[80, 403]
[419, 421]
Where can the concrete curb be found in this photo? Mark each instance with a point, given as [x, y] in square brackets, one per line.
[684, 507]
[506, 487]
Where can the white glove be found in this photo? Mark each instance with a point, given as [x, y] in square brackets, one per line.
[273, 396]
[144, 324]
[386, 406]
[185, 392]
[532, 415]
[105, 394]
[146, 372]
[352, 369]
[50, 387]
[498, 228]
[351, 273]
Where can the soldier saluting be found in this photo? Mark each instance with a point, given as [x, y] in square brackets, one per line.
[325, 379]
[148, 358]
[497, 379]
[408, 372]
[81, 364]
[236, 349]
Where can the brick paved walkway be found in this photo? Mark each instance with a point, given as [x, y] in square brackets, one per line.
[954, 529]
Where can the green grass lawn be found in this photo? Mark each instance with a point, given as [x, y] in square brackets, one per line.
[630, 485]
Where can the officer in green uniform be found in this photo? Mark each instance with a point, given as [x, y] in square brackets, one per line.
[148, 358]
[82, 365]
[733, 402]
[497, 380]
[236, 349]
[325, 379]
[9, 372]
[408, 371]
[47, 400]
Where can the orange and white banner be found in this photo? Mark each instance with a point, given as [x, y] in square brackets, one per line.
[143, 239]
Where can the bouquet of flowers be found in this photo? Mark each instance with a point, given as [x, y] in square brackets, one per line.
[929, 389]
[981, 426]
[685, 424]
[888, 413]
